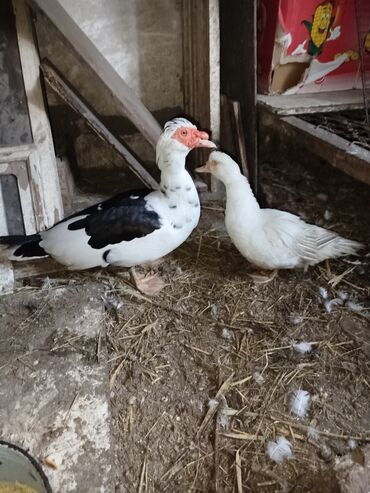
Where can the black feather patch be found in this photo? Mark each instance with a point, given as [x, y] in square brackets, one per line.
[105, 255]
[121, 218]
[14, 240]
[30, 249]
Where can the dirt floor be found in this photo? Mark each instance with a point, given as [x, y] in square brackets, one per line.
[202, 375]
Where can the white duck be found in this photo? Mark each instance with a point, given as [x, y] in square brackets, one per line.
[269, 238]
[134, 227]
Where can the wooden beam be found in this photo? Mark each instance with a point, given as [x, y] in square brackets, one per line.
[201, 61]
[239, 135]
[226, 137]
[35, 268]
[238, 21]
[63, 90]
[349, 158]
[296, 104]
[130, 104]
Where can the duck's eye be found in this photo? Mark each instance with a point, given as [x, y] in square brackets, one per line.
[184, 133]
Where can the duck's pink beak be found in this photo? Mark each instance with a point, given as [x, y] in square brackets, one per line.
[203, 140]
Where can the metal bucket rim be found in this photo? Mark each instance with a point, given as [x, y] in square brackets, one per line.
[33, 461]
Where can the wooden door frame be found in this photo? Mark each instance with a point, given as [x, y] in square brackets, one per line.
[34, 165]
[43, 172]
[21, 161]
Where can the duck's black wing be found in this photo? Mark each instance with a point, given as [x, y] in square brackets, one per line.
[121, 218]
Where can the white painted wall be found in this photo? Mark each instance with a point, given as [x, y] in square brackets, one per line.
[142, 39]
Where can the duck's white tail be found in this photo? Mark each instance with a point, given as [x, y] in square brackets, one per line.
[331, 245]
[319, 244]
[343, 247]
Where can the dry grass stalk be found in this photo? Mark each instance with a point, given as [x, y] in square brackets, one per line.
[143, 486]
[341, 436]
[238, 467]
[198, 302]
[212, 409]
[242, 435]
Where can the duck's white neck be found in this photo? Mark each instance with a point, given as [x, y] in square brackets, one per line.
[239, 195]
[178, 197]
[175, 180]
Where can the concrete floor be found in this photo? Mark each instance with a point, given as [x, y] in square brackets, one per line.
[54, 385]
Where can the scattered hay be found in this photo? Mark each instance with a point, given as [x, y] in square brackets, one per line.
[213, 336]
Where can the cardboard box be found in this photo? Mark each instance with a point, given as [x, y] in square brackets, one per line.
[312, 45]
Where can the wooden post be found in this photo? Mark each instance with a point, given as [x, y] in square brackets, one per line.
[201, 46]
[238, 21]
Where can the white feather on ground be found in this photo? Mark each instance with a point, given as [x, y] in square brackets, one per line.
[226, 334]
[323, 293]
[300, 403]
[342, 300]
[302, 347]
[296, 319]
[355, 307]
[313, 433]
[223, 417]
[343, 295]
[330, 304]
[212, 403]
[280, 450]
[352, 444]
[258, 377]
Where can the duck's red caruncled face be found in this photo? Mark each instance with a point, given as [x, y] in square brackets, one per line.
[192, 137]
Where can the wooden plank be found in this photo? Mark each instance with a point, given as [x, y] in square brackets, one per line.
[239, 68]
[349, 158]
[3, 219]
[239, 136]
[214, 68]
[41, 267]
[43, 173]
[130, 104]
[61, 87]
[16, 153]
[296, 104]
[201, 70]
[227, 137]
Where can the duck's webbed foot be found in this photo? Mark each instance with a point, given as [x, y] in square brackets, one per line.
[147, 283]
[262, 276]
